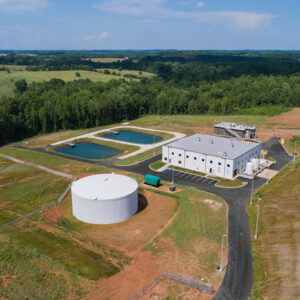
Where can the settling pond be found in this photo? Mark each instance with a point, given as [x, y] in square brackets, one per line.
[89, 151]
[133, 137]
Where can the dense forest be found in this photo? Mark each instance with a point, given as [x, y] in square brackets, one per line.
[186, 83]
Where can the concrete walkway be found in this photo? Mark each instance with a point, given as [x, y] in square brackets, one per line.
[143, 148]
[58, 173]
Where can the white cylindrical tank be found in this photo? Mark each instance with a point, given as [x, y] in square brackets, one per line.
[104, 198]
[249, 168]
[255, 163]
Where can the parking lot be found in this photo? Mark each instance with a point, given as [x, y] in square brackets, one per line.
[180, 176]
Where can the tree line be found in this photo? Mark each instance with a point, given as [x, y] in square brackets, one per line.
[55, 105]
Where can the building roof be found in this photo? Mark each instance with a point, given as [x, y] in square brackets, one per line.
[214, 145]
[234, 126]
[103, 187]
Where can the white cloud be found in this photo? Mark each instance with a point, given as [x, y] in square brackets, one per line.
[200, 4]
[22, 5]
[155, 9]
[97, 37]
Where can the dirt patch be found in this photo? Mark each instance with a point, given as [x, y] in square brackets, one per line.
[6, 279]
[135, 232]
[53, 215]
[289, 118]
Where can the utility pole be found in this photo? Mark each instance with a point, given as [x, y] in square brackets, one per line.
[252, 192]
[255, 236]
[221, 264]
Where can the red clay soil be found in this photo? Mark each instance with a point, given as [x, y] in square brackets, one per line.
[134, 233]
[53, 215]
[289, 118]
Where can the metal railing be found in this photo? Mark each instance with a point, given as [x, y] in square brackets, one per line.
[191, 282]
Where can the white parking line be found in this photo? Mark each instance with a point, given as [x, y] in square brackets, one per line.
[194, 177]
[205, 180]
[189, 176]
[199, 178]
[212, 181]
[182, 174]
[177, 173]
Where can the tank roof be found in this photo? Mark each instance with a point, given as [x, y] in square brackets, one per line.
[102, 187]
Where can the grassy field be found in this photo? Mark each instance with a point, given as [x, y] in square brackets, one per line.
[7, 80]
[24, 189]
[138, 158]
[290, 144]
[230, 183]
[197, 232]
[71, 254]
[53, 162]
[27, 273]
[276, 251]
[157, 165]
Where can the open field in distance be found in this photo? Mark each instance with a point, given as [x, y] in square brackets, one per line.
[277, 249]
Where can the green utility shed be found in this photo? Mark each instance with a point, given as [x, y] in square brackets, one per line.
[152, 180]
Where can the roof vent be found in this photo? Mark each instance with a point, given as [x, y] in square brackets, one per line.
[225, 154]
[211, 141]
[105, 179]
[231, 145]
[198, 139]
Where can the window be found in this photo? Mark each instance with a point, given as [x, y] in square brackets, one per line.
[228, 165]
[172, 153]
[219, 164]
[179, 161]
[165, 158]
[195, 158]
[202, 159]
[187, 156]
[238, 163]
[211, 161]
[179, 154]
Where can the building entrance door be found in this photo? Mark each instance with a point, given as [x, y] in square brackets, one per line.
[210, 170]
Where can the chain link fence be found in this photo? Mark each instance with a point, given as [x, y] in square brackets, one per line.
[191, 282]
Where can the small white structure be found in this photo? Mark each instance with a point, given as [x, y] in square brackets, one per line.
[215, 155]
[104, 198]
[249, 168]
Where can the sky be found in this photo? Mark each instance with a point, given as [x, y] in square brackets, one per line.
[149, 24]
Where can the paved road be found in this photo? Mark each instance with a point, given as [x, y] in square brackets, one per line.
[55, 172]
[277, 151]
[238, 280]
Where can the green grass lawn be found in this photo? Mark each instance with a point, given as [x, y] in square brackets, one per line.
[25, 189]
[71, 254]
[230, 183]
[157, 165]
[276, 251]
[26, 273]
[138, 158]
[7, 80]
[196, 221]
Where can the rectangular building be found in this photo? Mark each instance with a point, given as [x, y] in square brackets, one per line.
[214, 155]
[235, 130]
